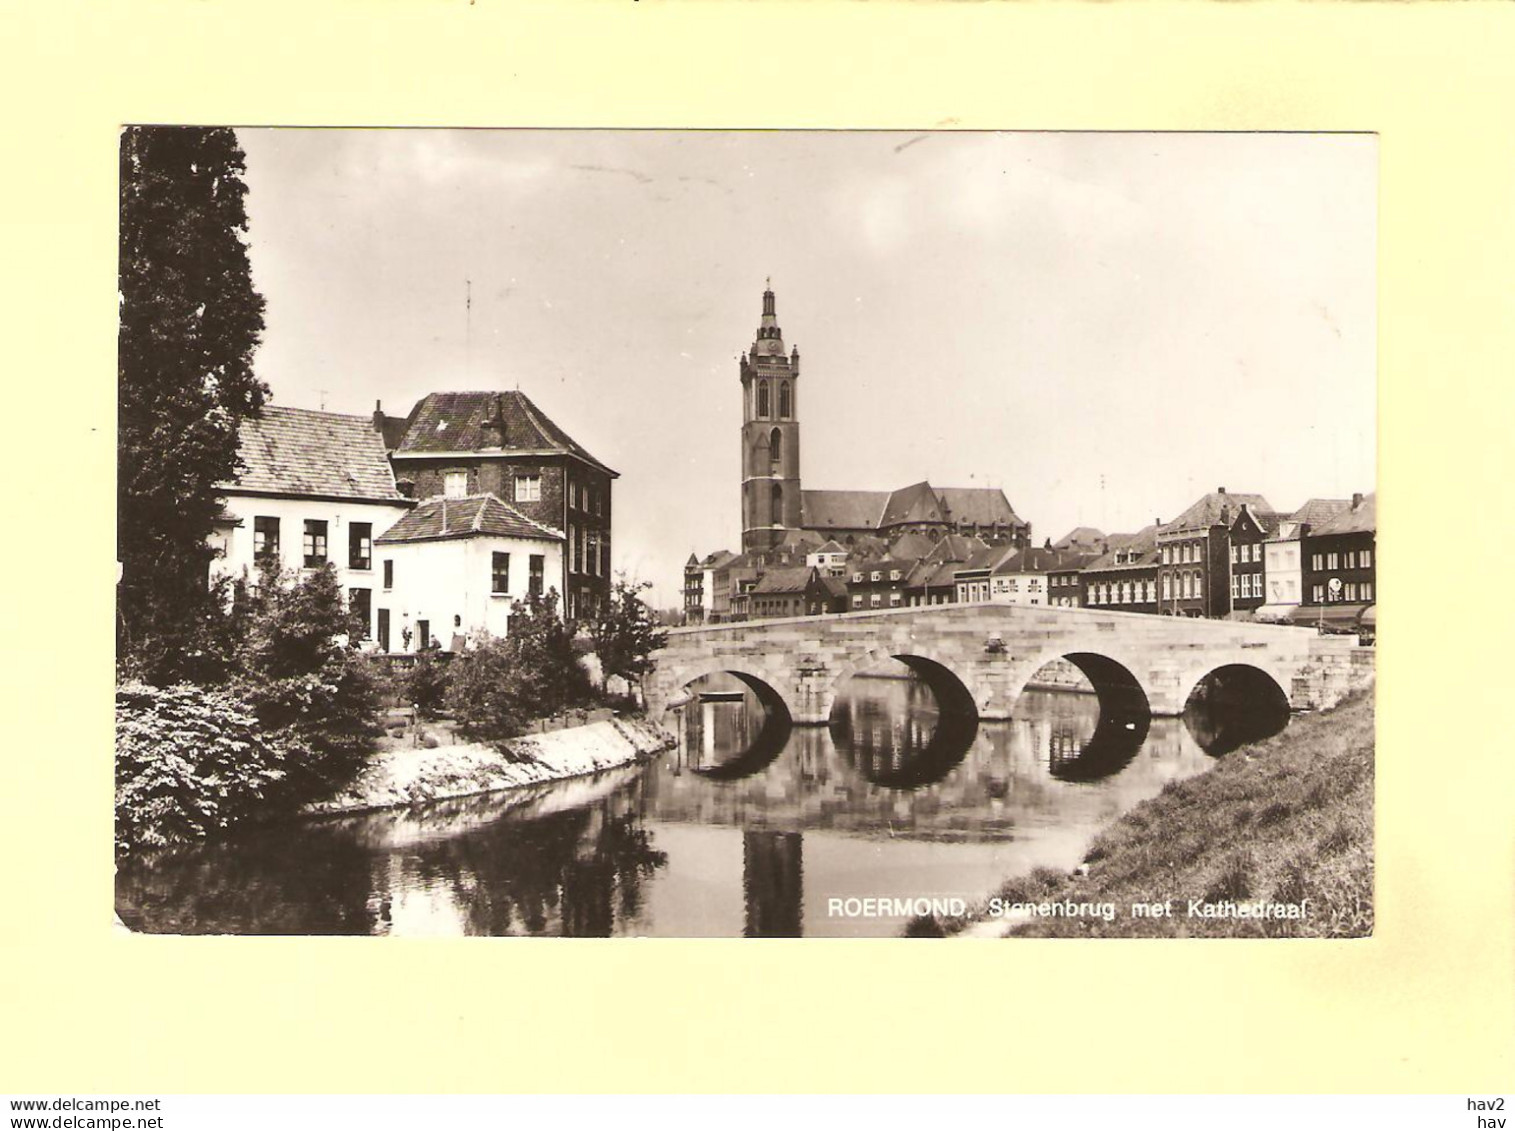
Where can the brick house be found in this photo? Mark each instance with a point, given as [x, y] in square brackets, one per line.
[1125, 577]
[466, 445]
[1249, 535]
[1340, 565]
[1194, 555]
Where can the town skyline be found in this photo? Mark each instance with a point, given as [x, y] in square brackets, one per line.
[926, 365]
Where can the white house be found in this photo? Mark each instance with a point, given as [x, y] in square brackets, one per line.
[315, 488]
[451, 569]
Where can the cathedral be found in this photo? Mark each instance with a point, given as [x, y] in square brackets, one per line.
[777, 512]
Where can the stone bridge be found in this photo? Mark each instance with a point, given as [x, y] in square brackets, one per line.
[979, 657]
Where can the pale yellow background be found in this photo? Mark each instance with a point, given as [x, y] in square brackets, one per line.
[1427, 1004]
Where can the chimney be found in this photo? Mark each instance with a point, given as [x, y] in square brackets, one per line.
[378, 418]
[1220, 490]
[1356, 499]
[406, 487]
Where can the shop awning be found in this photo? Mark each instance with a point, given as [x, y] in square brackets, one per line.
[1340, 617]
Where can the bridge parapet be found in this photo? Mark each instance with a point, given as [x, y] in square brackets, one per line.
[993, 650]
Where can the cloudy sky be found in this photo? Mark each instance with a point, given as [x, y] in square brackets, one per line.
[1105, 325]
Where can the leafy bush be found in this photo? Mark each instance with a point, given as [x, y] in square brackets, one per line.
[304, 682]
[425, 686]
[499, 686]
[189, 761]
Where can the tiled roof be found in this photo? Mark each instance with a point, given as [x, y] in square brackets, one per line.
[1069, 561]
[986, 558]
[476, 515]
[784, 580]
[1317, 511]
[298, 451]
[845, 510]
[1354, 520]
[1079, 536]
[832, 546]
[485, 422]
[1206, 511]
[956, 548]
[915, 503]
[981, 506]
[909, 546]
[1266, 521]
[834, 586]
[1033, 560]
[1143, 543]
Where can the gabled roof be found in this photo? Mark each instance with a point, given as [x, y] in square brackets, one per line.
[717, 559]
[1205, 512]
[981, 506]
[1034, 560]
[831, 546]
[298, 451]
[956, 548]
[1354, 520]
[1143, 544]
[1071, 561]
[784, 580]
[842, 510]
[915, 503]
[986, 559]
[1317, 511]
[834, 586]
[486, 422]
[910, 546]
[474, 516]
[1085, 536]
[1265, 521]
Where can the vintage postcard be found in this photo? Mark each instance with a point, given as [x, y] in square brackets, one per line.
[746, 533]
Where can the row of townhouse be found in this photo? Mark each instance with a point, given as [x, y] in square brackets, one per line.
[435, 524]
[1227, 555]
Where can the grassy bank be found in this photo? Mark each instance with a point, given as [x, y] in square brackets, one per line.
[1286, 820]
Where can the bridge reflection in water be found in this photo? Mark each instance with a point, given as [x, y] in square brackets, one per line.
[750, 826]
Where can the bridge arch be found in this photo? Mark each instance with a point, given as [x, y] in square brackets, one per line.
[953, 695]
[1109, 671]
[771, 738]
[1234, 702]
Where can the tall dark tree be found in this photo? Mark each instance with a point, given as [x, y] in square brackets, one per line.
[190, 321]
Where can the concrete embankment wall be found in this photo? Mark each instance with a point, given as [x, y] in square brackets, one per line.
[417, 775]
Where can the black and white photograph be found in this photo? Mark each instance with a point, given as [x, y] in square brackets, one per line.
[746, 533]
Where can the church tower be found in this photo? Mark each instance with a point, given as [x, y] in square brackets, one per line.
[770, 436]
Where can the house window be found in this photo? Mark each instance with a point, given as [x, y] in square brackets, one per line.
[1367, 590]
[784, 400]
[1331, 561]
[359, 602]
[315, 542]
[389, 573]
[1367, 559]
[360, 545]
[875, 600]
[1235, 587]
[857, 600]
[499, 572]
[265, 538]
[894, 600]
[857, 578]
[874, 576]
[1317, 594]
[423, 634]
[1236, 554]
[538, 565]
[455, 484]
[1351, 559]
[762, 399]
[1315, 561]
[384, 630]
[528, 488]
[894, 575]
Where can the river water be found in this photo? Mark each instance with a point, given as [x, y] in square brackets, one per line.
[747, 828]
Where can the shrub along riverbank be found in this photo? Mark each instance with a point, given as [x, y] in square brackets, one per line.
[1282, 821]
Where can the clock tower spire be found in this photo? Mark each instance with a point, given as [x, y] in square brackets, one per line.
[770, 435]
